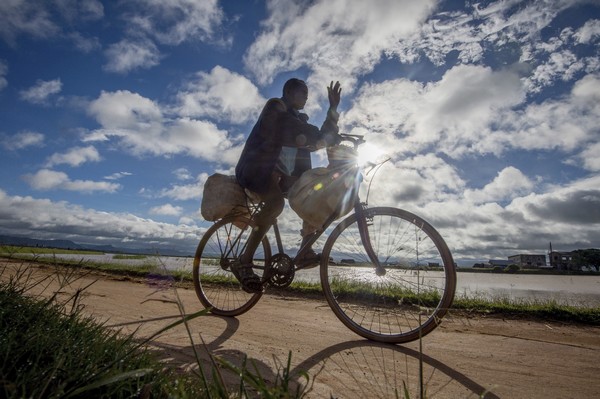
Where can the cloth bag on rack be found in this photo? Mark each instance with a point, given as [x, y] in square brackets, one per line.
[222, 196]
[322, 193]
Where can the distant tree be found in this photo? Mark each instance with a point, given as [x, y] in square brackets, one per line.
[512, 268]
[587, 257]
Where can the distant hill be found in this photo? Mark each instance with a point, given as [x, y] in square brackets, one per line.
[67, 244]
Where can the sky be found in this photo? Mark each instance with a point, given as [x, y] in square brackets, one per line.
[114, 113]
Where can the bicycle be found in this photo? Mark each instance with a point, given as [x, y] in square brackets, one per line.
[386, 273]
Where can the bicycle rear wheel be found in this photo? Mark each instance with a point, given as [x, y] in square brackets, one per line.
[216, 286]
[418, 285]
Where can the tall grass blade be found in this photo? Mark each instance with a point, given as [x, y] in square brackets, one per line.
[110, 380]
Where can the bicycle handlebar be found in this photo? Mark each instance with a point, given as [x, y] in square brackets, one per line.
[355, 139]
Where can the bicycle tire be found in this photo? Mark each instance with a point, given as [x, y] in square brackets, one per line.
[215, 285]
[408, 301]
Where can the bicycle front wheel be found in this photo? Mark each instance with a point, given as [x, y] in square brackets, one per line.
[221, 245]
[407, 301]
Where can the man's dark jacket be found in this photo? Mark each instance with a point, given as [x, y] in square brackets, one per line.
[277, 127]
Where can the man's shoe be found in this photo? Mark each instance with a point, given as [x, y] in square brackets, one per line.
[309, 260]
[249, 281]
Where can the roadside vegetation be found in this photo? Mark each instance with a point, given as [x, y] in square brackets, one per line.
[51, 350]
[463, 304]
[122, 256]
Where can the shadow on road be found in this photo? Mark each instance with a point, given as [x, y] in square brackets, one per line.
[380, 370]
[358, 368]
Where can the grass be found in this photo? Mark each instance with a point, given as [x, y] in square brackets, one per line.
[463, 304]
[122, 256]
[360, 290]
[545, 310]
[49, 349]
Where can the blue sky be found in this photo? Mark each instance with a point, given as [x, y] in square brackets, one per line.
[113, 113]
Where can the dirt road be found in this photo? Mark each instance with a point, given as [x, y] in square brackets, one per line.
[464, 357]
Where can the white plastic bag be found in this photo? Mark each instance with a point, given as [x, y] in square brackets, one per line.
[321, 193]
[221, 197]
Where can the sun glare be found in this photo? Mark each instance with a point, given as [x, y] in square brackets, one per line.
[369, 153]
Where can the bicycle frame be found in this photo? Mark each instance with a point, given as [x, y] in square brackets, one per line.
[360, 209]
[385, 300]
[361, 213]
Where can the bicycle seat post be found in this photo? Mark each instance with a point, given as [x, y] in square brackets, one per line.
[278, 237]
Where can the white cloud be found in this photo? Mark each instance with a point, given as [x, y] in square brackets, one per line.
[166, 210]
[576, 204]
[123, 109]
[587, 89]
[473, 110]
[452, 116]
[348, 38]
[135, 120]
[42, 90]
[48, 219]
[569, 216]
[23, 140]
[564, 123]
[175, 21]
[509, 183]
[139, 125]
[186, 192]
[168, 22]
[41, 19]
[589, 32]
[461, 107]
[557, 57]
[201, 139]
[413, 181]
[336, 39]
[76, 11]
[500, 27]
[182, 174]
[221, 95]
[129, 54]
[590, 157]
[75, 156]
[118, 175]
[84, 44]
[25, 17]
[46, 179]
[3, 73]
[563, 65]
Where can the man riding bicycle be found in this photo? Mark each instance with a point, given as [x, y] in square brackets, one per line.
[276, 153]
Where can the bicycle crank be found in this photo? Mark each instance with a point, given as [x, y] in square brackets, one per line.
[281, 271]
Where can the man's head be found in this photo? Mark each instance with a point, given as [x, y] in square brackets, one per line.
[295, 93]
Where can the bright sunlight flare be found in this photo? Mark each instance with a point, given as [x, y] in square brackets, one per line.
[369, 153]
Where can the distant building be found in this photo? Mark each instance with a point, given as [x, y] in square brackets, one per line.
[561, 260]
[529, 261]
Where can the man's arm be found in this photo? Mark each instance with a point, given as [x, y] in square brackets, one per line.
[297, 133]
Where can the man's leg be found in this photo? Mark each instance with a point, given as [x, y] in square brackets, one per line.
[273, 204]
[310, 258]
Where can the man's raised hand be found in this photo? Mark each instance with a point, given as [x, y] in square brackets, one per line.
[334, 93]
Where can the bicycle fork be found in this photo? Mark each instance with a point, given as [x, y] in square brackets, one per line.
[363, 229]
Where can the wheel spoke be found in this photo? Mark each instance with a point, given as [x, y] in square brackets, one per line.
[415, 291]
[216, 286]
